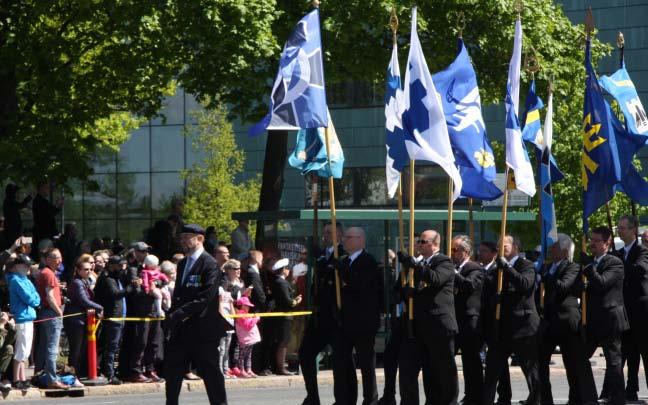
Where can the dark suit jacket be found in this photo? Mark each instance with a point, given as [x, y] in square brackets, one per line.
[195, 303]
[561, 310]
[606, 316]
[434, 295]
[323, 289]
[110, 296]
[282, 292]
[468, 284]
[635, 285]
[518, 315]
[362, 290]
[258, 296]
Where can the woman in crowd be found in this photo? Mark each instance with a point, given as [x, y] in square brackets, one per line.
[81, 299]
[92, 276]
[232, 285]
[283, 293]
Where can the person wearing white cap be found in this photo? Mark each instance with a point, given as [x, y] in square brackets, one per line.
[282, 292]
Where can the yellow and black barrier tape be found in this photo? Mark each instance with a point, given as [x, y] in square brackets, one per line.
[268, 314]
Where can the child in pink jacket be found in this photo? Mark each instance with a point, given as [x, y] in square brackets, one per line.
[248, 335]
[154, 283]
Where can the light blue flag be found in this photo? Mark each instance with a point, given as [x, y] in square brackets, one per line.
[620, 86]
[397, 157]
[549, 228]
[517, 158]
[309, 154]
[298, 99]
[426, 133]
[457, 86]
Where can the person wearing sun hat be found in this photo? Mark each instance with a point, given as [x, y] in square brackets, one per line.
[283, 293]
[248, 335]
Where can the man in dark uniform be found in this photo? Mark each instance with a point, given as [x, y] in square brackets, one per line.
[195, 325]
[435, 326]
[468, 283]
[323, 328]
[487, 254]
[606, 316]
[362, 294]
[560, 325]
[634, 343]
[515, 332]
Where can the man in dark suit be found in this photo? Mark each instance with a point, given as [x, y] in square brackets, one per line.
[195, 325]
[606, 316]
[515, 332]
[435, 326]
[362, 293]
[487, 254]
[560, 325]
[468, 283]
[634, 343]
[323, 328]
[45, 213]
[252, 279]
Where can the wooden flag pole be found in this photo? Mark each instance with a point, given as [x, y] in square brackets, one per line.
[471, 224]
[584, 293]
[500, 272]
[314, 201]
[450, 213]
[338, 296]
[412, 195]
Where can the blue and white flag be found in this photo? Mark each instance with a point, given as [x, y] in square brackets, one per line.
[397, 156]
[310, 152]
[426, 133]
[462, 107]
[532, 130]
[298, 99]
[620, 86]
[549, 228]
[517, 157]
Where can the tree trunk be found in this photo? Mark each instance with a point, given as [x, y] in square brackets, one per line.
[272, 183]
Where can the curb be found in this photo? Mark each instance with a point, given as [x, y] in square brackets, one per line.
[324, 377]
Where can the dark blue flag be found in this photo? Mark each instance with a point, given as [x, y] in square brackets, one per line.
[608, 151]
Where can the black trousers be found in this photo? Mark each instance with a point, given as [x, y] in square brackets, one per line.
[145, 341]
[634, 347]
[434, 355]
[497, 360]
[613, 380]
[78, 342]
[390, 357]
[582, 389]
[345, 369]
[469, 341]
[317, 336]
[204, 356]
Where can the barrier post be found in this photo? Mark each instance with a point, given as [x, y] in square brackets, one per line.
[91, 329]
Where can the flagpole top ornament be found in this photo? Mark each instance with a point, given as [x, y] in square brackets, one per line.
[393, 23]
[531, 63]
[589, 22]
[519, 6]
[315, 3]
[550, 87]
[620, 40]
[461, 23]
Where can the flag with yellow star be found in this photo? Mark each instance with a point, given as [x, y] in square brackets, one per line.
[608, 151]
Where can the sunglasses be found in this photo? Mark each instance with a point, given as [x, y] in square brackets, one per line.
[422, 241]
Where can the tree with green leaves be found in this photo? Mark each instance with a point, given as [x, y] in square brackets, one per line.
[80, 75]
[213, 189]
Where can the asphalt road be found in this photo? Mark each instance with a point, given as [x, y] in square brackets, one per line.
[293, 395]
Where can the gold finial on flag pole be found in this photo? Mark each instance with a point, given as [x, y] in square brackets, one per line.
[315, 3]
[589, 22]
[519, 6]
[531, 63]
[620, 40]
[461, 23]
[393, 24]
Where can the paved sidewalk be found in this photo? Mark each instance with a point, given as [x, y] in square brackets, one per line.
[325, 377]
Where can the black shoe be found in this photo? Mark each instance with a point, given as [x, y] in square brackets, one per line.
[387, 401]
[115, 381]
[308, 401]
